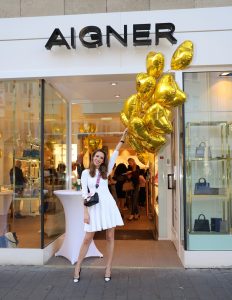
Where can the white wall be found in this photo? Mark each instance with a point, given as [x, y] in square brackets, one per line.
[23, 54]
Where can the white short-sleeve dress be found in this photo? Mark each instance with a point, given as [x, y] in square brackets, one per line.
[104, 214]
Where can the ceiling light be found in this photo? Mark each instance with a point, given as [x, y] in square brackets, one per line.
[113, 83]
[226, 74]
[117, 96]
[106, 118]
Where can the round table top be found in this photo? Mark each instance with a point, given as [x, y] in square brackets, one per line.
[5, 192]
[67, 192]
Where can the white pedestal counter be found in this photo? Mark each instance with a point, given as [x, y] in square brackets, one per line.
[74, 226]
[5, 201]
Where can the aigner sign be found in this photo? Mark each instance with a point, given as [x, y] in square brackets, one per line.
[91, 36]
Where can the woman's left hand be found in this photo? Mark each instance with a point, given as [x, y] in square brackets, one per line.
[125, 132]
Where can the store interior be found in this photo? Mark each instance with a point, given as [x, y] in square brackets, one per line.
[96, 103]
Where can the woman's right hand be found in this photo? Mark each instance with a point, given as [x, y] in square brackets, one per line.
[86, 216]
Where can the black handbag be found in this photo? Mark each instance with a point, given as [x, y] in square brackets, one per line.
[200, 151]
[93, 199]
[201, 224]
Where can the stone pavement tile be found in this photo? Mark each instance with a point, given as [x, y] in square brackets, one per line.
[56, 283]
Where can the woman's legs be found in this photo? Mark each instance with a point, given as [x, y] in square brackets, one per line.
[83, 250]
[110, 249]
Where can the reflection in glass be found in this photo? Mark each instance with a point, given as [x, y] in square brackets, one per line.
[55, 161]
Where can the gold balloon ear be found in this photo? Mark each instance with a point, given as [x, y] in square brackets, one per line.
[145, 86]
[180, 96]
[155, 64]
[183, 56]
[168, 93]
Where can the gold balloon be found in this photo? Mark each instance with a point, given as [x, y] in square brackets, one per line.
[98, 143]
[154, 144]
[182, 57]
[135, 143]
[145, 86]
[94, 143]
[130, 105]
[180, 96]
[155, 64]
[92, 127]
[150, 141]
[157, 119]
[143, 158]
[168, 93]
[137, 128]
[124, 119]
[87, 127]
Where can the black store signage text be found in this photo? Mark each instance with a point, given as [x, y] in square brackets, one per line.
[141, 34]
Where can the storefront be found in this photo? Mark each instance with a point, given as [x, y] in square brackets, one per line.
[36, 119]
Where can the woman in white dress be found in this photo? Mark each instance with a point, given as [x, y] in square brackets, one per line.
[103, 215]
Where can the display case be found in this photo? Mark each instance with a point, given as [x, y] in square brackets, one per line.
[208, 175]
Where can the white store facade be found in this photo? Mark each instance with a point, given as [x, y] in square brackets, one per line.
[206, 117]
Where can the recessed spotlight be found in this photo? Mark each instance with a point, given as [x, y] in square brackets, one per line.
[226, 74]
[113, 83]
[117, 96]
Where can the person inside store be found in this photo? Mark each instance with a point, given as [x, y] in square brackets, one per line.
[61, 168]
[74, 175]
[111, 183]
[104, 215]
[20, 182]
[79, 165]
[120, 178]
[133, 173]
[142, 188]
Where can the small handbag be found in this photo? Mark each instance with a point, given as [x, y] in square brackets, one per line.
[201, 224]
[201, 187]
[93, 199]
[201, 150]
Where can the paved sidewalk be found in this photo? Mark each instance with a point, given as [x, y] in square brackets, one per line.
[46, 282]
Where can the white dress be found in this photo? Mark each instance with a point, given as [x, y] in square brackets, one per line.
[104, 214]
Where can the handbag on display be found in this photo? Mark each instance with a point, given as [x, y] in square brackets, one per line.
[203, 151]
[201, 224]
[223, 226]
[216, 224]
[202, 187]
[93, 199]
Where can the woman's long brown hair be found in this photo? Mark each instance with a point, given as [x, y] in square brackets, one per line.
[103, 167]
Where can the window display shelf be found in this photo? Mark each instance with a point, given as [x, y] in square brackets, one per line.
[209, 197]
[208, 176]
